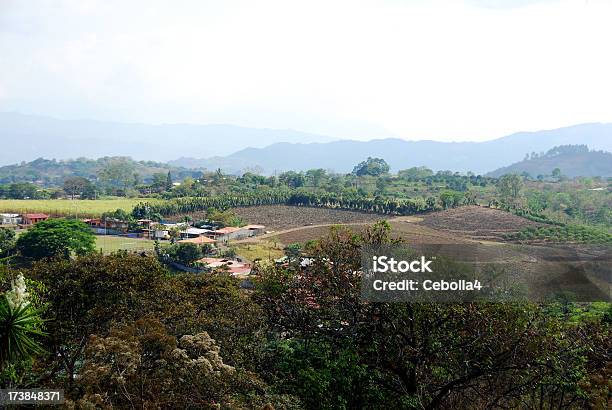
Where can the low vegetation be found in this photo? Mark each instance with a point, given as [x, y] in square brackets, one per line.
[566, 233]
[65, 207]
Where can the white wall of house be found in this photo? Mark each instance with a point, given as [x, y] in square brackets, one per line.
[10, 219]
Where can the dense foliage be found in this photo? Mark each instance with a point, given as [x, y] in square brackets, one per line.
[122, 331]
[299, 198]
[56, 237]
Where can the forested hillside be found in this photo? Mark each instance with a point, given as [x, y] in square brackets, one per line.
[51, 172]
[568, 160]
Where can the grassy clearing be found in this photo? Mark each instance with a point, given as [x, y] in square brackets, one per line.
[263, 250]
[108, 243]
[64, 207]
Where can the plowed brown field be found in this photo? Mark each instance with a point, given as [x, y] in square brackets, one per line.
[477, 222]
[279, 217]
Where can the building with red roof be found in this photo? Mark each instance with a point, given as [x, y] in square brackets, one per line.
[31, 219]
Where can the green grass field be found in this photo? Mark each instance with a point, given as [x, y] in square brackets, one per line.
[108, 243]
[264, 250]
[64, 207]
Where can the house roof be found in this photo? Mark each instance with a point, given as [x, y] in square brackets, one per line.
[253, 227]
[199, 240]
[195, 231]
[35, 216]
[226, 230]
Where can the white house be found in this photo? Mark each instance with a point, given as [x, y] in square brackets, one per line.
[10, 219]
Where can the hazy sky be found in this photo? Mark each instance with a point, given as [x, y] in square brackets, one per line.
[446, 70]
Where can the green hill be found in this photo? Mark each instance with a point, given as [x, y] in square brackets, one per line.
[51, 172]
[571, 160]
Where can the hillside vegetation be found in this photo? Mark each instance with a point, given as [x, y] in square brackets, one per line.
[571, 160]
[51, 172]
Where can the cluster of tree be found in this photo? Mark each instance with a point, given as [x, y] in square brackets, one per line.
[372, 166]
[410, 355]
[120, 176]
[452, 180]
[123, 332]
[566, 202]
[56, 237]
[559, 150]
[26, 190]
[560, 163]
[120, 171]
[446, 199]
[53, 238]
[184, 253]
[365, 204]
[220, 202]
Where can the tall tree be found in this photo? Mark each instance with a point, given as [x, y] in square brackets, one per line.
[118, 173]
[371, 166]
[510, 186]
[7, 241]
[75, 186]
[169, 181]
[56, 238]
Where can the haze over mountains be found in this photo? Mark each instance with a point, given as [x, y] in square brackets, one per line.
[40, 136]
[235, 149]
[478, 157]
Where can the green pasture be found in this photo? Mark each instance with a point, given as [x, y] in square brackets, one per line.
[66, 207]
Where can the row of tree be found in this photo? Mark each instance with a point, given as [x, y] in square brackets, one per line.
[446, 199]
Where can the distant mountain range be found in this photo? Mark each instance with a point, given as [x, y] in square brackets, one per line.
[572, 161]
[34, 136]
[26, 137]
[478, 157]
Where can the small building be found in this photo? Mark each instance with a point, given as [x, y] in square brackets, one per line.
[200, 240]
[106, 226]
[225, 234]
[10, 219]
[145, 223]
[254, 230]
[93, 222]
[31, 219]
[194, 232]
[161, 233]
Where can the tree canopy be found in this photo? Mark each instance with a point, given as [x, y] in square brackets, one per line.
[56, 237]
[371, 166]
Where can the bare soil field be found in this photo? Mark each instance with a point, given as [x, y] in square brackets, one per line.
[469, 234]
[477, 222]
[279, 217]
[410, 232]
[419, 233]
[455, 226]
